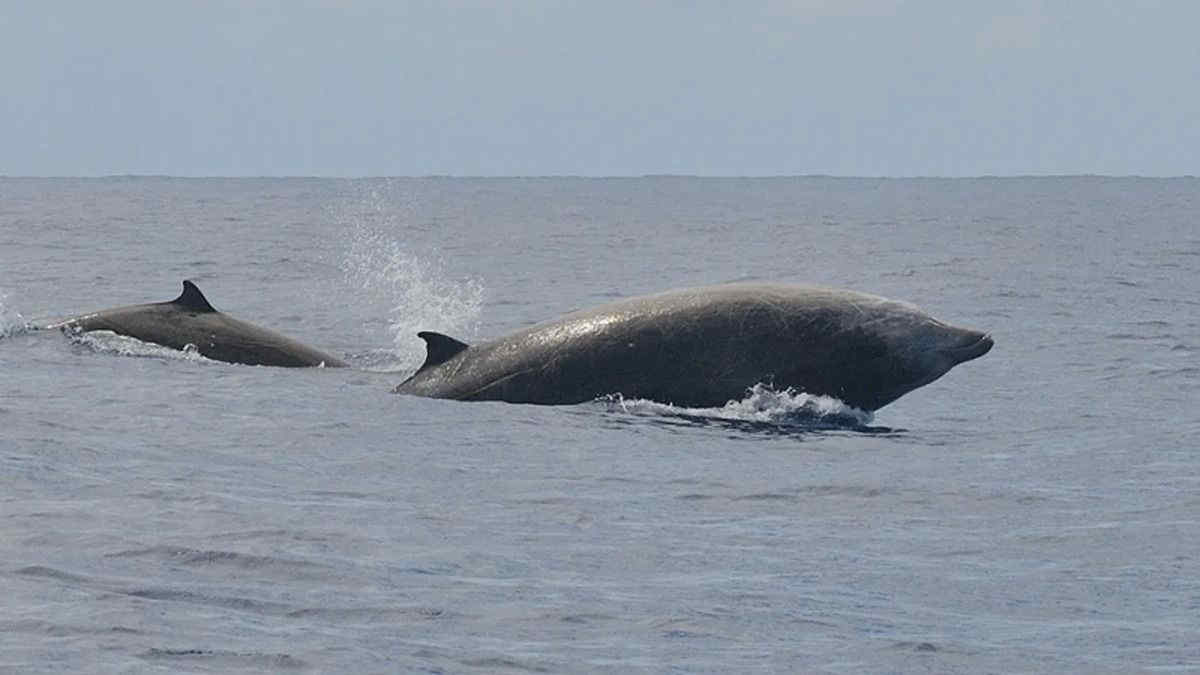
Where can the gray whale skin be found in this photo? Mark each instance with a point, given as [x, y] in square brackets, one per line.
[191, 320]
[702, 347]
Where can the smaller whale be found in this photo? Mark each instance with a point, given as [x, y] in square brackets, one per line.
[703, 347]
[190, 320]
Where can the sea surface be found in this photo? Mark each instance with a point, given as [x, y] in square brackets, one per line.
[1036, 510]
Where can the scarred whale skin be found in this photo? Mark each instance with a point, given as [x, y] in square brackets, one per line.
[191, 320]
[702, 347]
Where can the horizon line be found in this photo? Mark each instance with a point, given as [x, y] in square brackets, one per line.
[438, 176]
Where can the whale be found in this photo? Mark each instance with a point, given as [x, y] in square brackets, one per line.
[191, 322]
[704, 347]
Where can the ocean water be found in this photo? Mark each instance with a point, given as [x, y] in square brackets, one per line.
[1036, 510]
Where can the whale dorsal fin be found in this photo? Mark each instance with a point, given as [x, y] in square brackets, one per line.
[439, 348]
[192, 299]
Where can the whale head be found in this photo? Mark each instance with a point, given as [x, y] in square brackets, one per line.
[922, 349]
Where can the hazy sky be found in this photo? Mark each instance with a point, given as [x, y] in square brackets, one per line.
[754, 87]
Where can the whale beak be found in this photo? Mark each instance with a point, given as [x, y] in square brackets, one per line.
[973, 345]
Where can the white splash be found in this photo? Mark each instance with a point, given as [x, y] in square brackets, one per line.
[11, 321]
[108, 342]
[414, 292]
[762, 404]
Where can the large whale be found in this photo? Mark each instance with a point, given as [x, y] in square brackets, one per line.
[191, 320]
[702, 347]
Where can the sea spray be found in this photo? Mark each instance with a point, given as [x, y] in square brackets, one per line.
[11, 321]
[761, 404]
[411, 290]
[108, 342]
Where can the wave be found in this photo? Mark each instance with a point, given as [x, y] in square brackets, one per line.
[763, 408]
[223, 660]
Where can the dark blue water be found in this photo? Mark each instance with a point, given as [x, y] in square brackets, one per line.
[1035, 510]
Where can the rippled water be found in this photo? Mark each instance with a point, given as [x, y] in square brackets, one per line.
[1034, 510]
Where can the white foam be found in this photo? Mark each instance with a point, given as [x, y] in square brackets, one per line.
[108, 342]
[762, 404]
[11, 321]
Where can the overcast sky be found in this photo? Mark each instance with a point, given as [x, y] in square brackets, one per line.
[461, 87]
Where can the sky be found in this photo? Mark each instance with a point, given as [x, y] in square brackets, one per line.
[612, 88]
